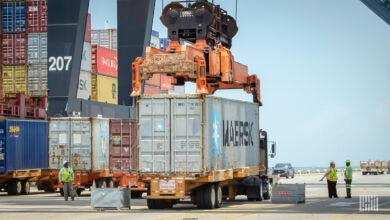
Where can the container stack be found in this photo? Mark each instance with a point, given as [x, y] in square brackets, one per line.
[104, 76]
[37, 47]
[107, 38]
[13, 48]
[84, 88]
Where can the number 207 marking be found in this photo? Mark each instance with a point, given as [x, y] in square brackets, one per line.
[59, 63]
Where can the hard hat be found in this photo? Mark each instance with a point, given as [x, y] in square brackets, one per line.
[347, 161]
[332, 162]
[65, 162]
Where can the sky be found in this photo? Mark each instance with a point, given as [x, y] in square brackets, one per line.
[324, 68]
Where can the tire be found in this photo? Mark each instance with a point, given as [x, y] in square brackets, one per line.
[199, 198]
[110, 183]
[209, 196]
[218, 196]
[14, 187]
[62, 191]
[157, 204]
[102, 183]
[26, 188]
[78, 191]
[266, 196]
[260, 198]
[136, 194]
[364, 173]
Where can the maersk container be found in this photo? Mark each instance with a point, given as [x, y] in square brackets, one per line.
[196, 134]
[81, 141]
[123, 145]
[13, 16]
[23, 145]
[37, 48]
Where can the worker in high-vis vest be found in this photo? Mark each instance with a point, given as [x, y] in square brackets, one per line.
[348, 178]
[331, 177]
[66, 176]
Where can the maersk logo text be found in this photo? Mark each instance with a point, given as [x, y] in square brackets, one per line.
[237, 133]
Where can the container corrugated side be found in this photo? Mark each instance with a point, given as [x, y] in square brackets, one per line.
[84, 88]
[191, 134]
[70, 140]
[86, 57]
[36, 16]
[14, 49]
[13, 79]
[123, 146]
[100, 144]
[104, 89]
[37, 80]
[23, 145]
[13, 17]
[104, 61]
[37, 48]
[87, 35]
[107, 38]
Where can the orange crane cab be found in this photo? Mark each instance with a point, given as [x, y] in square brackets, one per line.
[208, 62]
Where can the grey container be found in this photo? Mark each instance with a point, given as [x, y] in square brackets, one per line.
[110, 198]
[84, 88]
[195, 134]
[86, 58]
[81, 141]
[37, 80]
[37, 48]
[288, 193]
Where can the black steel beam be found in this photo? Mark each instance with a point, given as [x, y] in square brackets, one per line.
[135, 19]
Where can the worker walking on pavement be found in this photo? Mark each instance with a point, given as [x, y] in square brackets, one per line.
[331, 176]
[66, 176]
[348, 178]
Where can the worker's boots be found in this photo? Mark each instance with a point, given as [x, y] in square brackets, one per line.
[348, 194]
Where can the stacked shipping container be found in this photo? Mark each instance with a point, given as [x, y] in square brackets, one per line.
[24, 48]
[104, 75]
[84, 90]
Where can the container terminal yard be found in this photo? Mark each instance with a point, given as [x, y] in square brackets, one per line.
[114, 104]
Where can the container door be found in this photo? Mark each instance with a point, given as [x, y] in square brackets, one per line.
[186, 135]
[154, 135]
[59, 143]
[100, 144]
[2, 147]
[81, 149]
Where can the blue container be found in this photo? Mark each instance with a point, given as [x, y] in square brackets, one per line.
[13, 16]
[23, 145]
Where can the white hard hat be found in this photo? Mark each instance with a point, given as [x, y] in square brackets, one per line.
[65, 162]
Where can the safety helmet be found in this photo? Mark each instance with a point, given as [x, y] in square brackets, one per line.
[65, 162]
[332, 163]
[347, 161]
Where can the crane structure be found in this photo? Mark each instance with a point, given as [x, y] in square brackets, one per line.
[208, 62]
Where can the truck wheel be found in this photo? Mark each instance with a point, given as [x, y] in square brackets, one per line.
[260, 198]
[209, 196]
[364, 173]
[136, 194]
[157, 204]
[26, 188]
[15, 187]
[78, 191]
[199, 198]
[218, 196]
[102, 183]
[110, 183]
[266, 196]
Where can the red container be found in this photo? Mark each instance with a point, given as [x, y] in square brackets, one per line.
[14, 49]
[153, 85]
[104, 61]
[123, 146]
[36, 16]
[87, 35]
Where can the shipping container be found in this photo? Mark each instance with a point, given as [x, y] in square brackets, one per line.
[23, 145]
[87, 35]
[86, 58]
[107, 38]
[13, 17]
[164, 42]
[153, 85]
[123, 146]
[84, 142]
[196, 134]
[84, 88]
[155, 42]
[104, 89]
[14, 49]
[37, 80]
[37, 48]
[104, 61]
[37, 16]
[13, 80]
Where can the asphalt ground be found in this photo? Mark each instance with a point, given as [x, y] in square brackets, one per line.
[39, 205]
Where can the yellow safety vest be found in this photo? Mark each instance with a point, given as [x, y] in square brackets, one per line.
[348, 173]
[66, 176]
[332, 174]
